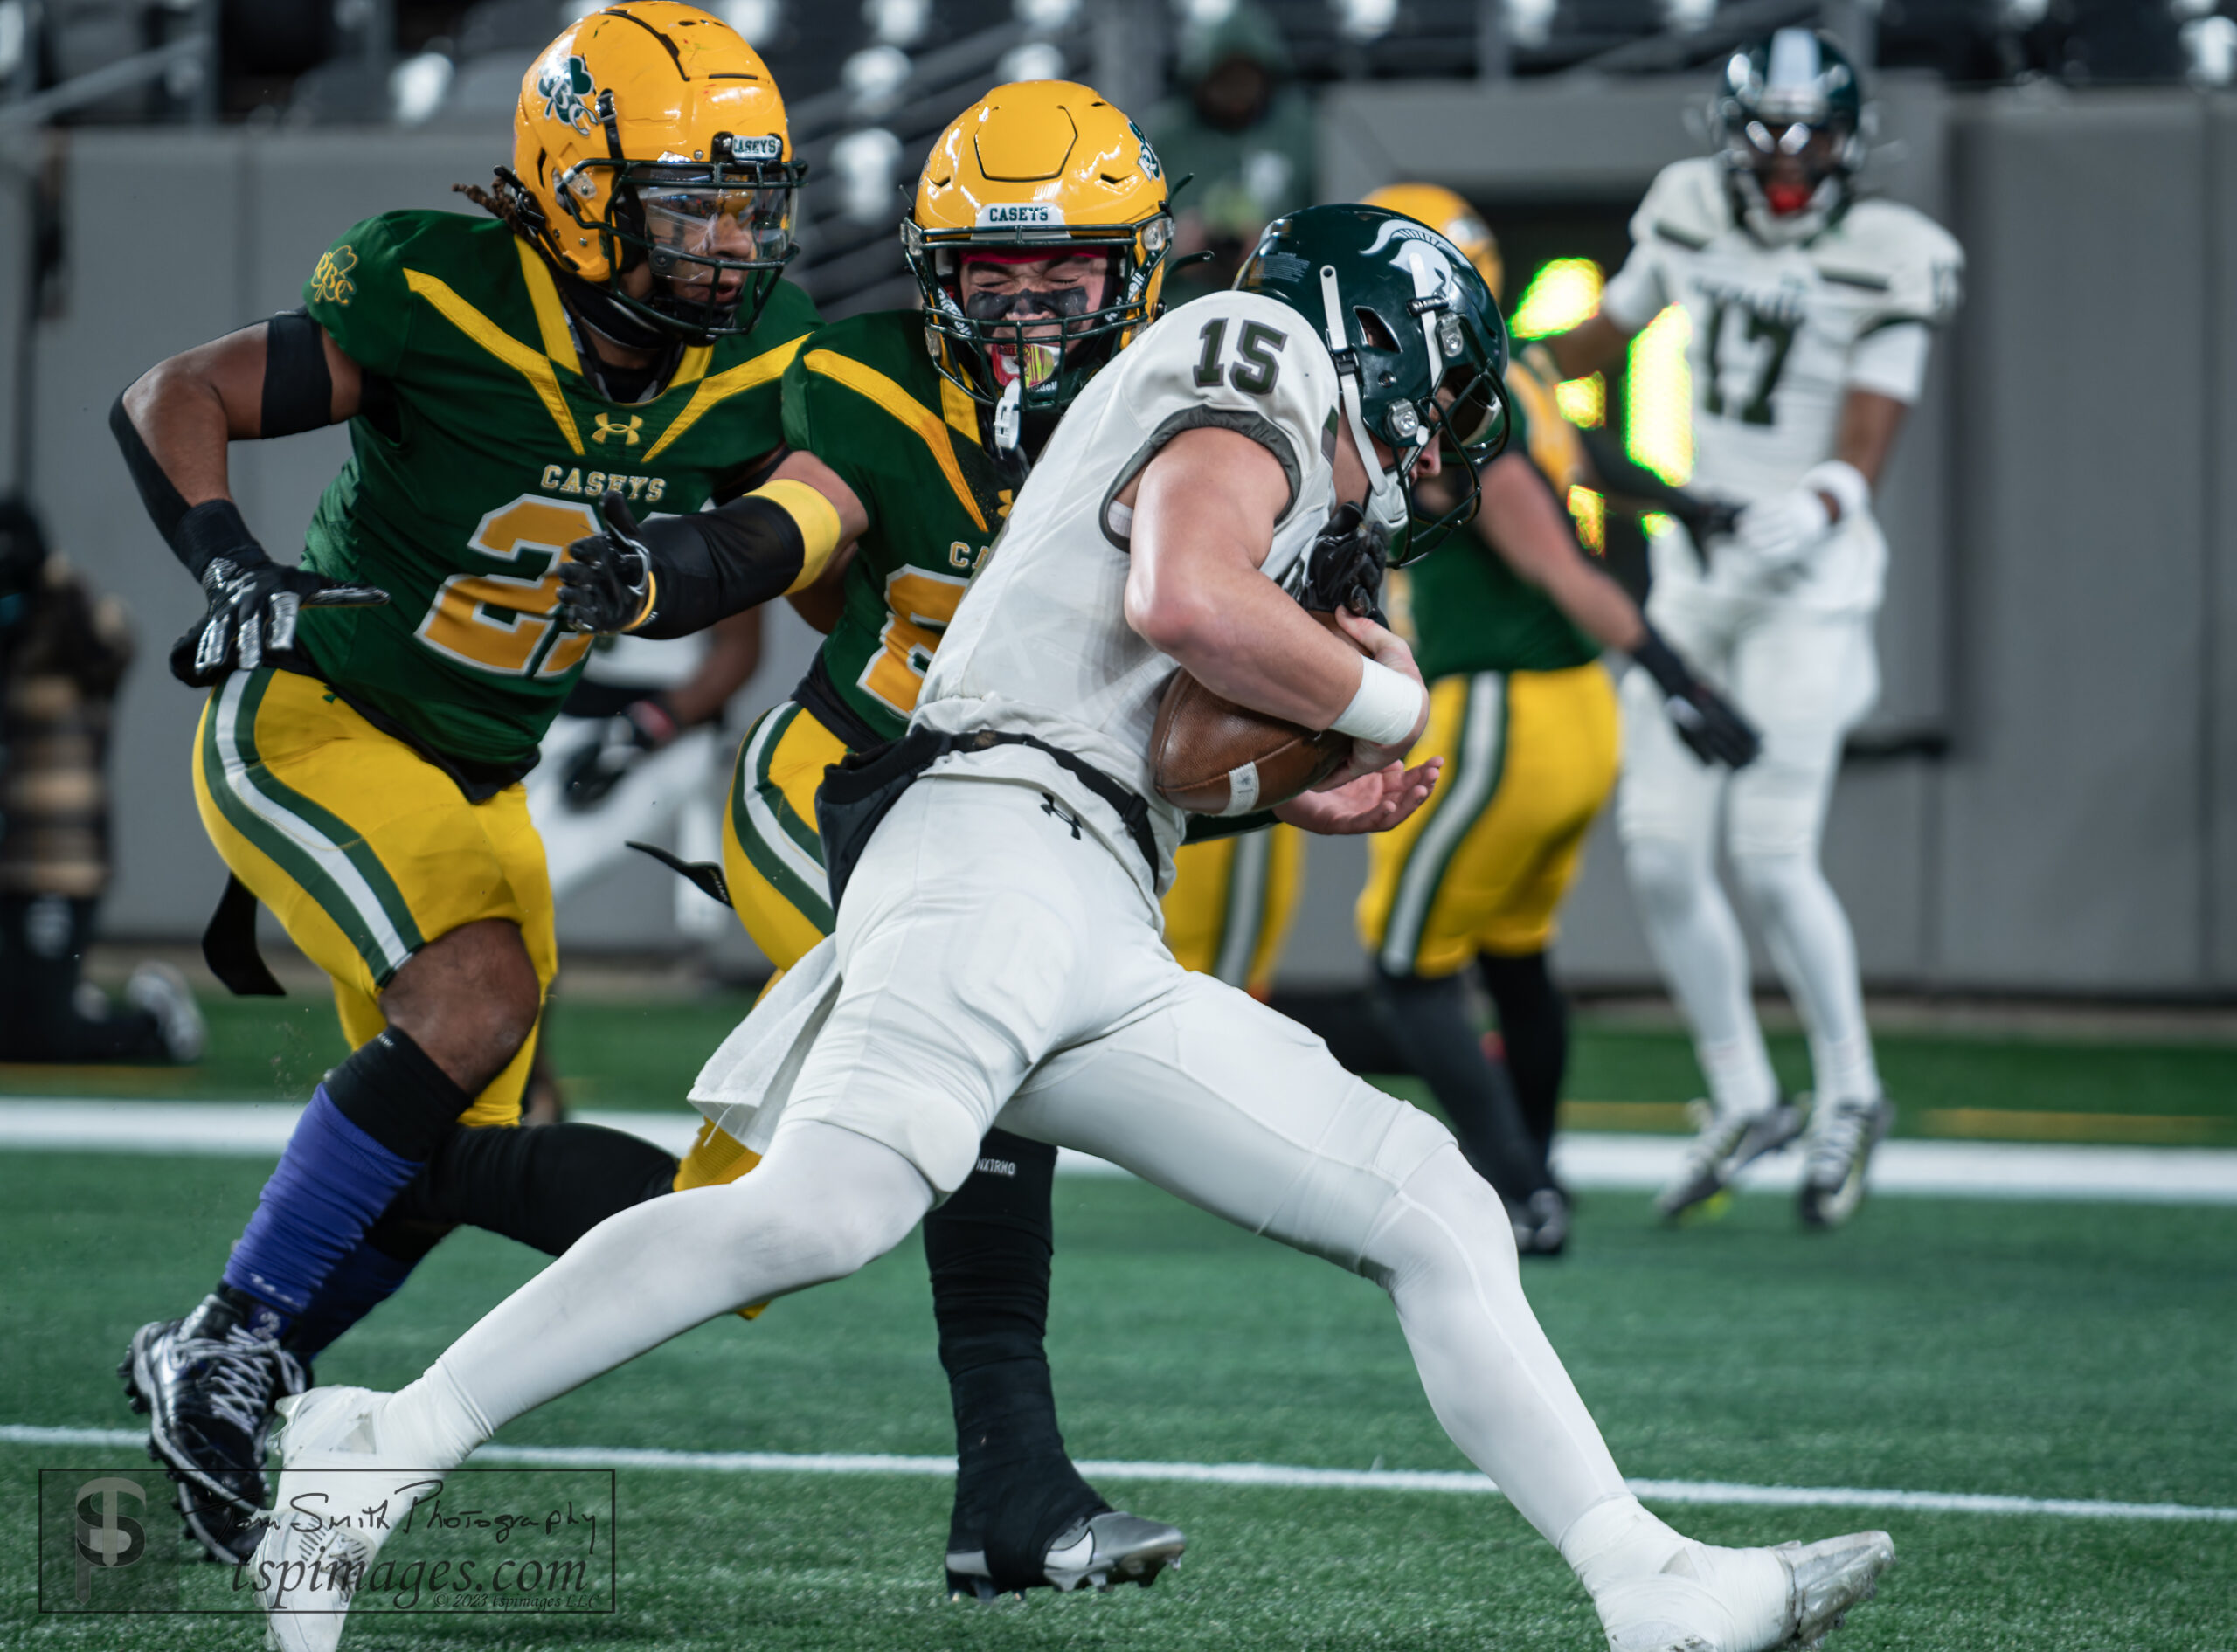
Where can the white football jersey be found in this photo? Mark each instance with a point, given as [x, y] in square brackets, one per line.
[1040, 644]
[1780, 334]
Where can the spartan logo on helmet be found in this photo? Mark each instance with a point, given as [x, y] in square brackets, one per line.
[1149, 161]
[566, 89]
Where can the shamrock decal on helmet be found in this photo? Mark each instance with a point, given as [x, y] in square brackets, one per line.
[566, 90]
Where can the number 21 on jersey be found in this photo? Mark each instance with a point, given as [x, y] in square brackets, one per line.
[502, 623]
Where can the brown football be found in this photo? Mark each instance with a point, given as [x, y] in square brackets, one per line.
[1209, 756]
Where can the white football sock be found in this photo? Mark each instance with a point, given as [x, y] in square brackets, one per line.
[825, 1202]
[1444, 1249]
[1614, 1541]
[1814, 950]
[1656, 1589]
[1696, 940]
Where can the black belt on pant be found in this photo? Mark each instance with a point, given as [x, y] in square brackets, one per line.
[859, 788]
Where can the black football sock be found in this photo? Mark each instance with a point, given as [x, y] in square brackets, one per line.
[546, 1188]
[1356, 1032]
[990, 1247]
[1535, 1026]
[1430, 1019]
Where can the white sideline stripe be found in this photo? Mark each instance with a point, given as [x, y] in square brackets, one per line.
[1253, 1474]
[1591, 1160]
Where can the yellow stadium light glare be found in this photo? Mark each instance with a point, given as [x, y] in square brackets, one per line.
[1563, 292]
[1590, 512]
[1584, 401]
[1658, 398]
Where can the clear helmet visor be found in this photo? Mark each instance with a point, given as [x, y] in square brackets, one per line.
[694, 233]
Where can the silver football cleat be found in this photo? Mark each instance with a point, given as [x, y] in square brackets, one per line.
[1100, 1552]
[1831, 1577]
[1727, 1144]
[1842, 1132]
[1779, 1600]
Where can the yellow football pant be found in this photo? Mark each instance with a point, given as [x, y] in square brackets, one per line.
[1228, 911]
[363, 849]
[1529, 757]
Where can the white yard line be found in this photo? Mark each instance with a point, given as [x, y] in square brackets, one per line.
[1247, 1474]
[1588, 1159]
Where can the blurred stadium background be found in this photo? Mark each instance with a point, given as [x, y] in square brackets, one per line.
[2036, 834]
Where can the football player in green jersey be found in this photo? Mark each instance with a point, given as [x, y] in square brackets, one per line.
[1508, 633]
[622, 327]
[1038, 239]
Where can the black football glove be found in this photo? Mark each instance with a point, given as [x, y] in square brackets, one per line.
[621, 742]
[1711, 729]
[254, 602]
[1343, 567]
[605, 581]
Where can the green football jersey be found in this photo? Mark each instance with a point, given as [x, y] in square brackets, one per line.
[865, 398]
[493, 463]
[1473, 613]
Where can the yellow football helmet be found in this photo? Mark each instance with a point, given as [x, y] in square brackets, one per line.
[1453, 218]
[651, 134]
[1037, 168]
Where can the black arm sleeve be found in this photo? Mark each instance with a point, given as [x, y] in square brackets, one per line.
[197, 536]
[1206, 828]
[297, 388]
[1615, 472]
[1660, 661]
[714, 564]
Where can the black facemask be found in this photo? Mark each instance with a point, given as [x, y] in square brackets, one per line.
[1032, 300]
[595, 307]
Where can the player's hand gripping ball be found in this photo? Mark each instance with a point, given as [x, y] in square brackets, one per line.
[1209, 756]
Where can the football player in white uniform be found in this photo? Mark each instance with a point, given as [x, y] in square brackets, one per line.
[998, 955]
[1812, 312]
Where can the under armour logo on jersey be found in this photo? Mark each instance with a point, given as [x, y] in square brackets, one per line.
[626, 429]
[1049, 806]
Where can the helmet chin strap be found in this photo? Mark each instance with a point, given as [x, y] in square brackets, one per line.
[1386, 497]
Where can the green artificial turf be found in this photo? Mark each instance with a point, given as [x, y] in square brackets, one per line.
[2030, 1350]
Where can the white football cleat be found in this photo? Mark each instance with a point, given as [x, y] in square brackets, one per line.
[1712, 1600]
[340, 1496]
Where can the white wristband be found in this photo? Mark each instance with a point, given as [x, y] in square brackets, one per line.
[1844, 483]
[1385, 709]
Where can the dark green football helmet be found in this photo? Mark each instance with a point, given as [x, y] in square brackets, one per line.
[1418, 344]
[1791, 117]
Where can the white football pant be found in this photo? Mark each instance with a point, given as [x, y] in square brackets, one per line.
[1000, 965]
[1803, 680]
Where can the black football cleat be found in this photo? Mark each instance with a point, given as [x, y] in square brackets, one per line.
[208, 1386]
